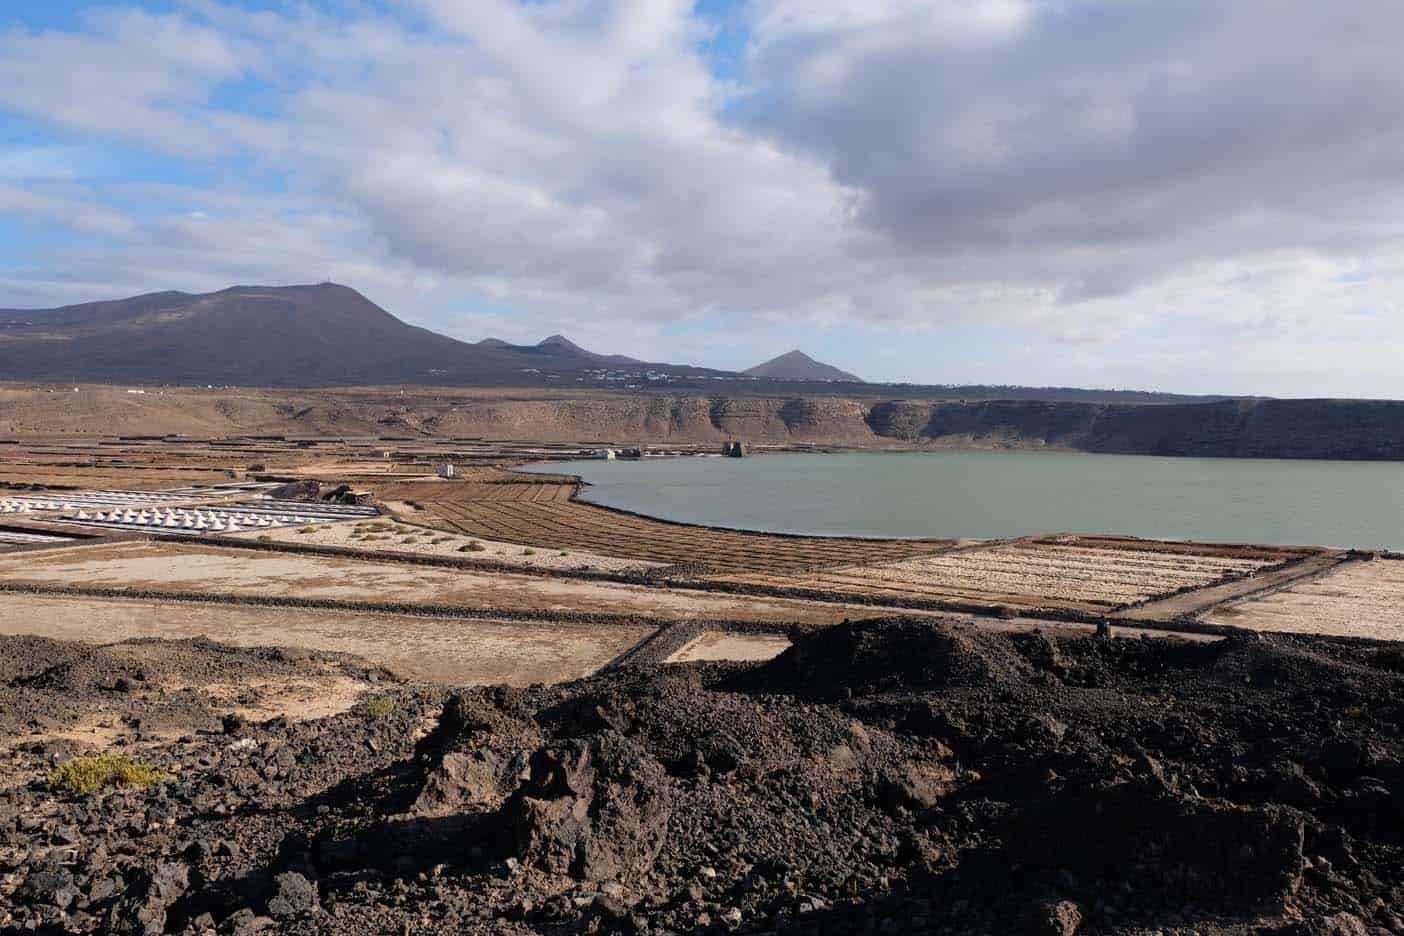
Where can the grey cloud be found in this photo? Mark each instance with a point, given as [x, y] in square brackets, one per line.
[1099, 123]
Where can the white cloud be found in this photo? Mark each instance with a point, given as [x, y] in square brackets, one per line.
[1106, 174]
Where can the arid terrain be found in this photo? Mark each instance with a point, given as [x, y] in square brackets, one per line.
[303, 685]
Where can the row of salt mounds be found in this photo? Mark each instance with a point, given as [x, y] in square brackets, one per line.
[10, 505]
[218, 521]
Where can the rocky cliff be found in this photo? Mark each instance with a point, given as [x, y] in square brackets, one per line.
[1354, 429]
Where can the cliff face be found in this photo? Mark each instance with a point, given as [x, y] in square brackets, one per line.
[1353, 429]
[1356, 429]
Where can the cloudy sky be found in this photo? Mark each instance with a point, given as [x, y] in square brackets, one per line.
[1199, 195]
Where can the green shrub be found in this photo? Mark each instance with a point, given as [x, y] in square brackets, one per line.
[528, 552]
[308, 529]
[380, 706]
[91, 773]
[474, 546]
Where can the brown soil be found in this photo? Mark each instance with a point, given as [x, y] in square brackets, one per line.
[413, 540]
[577, 525]
[436, 649]
[478, 484]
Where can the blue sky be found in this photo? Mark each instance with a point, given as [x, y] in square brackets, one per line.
[923, 192]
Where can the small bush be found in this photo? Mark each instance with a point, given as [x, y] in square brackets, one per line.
[308, 529]
[265, 538]
[528, 552]
[92, 773]
[380, 706]
[474, 546]
[565, 552]
[430, 694]
[441, 539]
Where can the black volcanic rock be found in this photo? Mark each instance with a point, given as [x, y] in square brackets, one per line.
[796, 365]
[885, 776]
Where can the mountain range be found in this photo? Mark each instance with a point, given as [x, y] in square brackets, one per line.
[327, 335]
[311, 336]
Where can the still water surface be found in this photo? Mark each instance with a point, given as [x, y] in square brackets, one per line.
[998, 494]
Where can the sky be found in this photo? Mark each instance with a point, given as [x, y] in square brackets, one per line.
[1204, 196]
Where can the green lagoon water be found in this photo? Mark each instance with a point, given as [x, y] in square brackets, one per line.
[999, 494]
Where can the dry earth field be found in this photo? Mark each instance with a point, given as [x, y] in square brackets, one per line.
[410, 540]
[441, 650]
[206, 572]
[1358, 599]
[1081, 577]
[554, 524]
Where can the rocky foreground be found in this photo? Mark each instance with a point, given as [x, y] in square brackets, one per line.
[885, 776]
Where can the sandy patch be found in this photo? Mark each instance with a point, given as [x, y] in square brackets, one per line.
[434, 649]
[297, 698]
[717, 645]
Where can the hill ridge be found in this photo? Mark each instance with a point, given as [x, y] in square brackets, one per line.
[796, 365]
